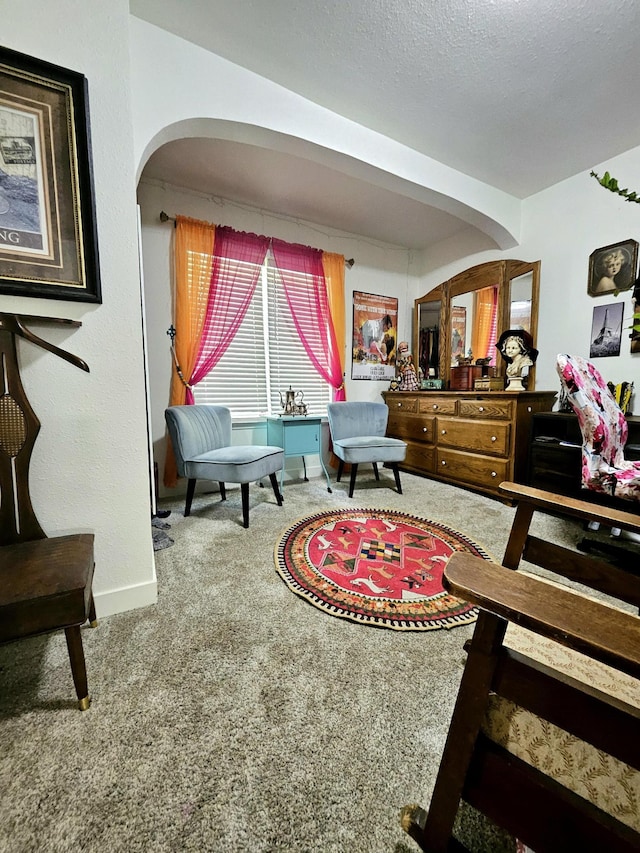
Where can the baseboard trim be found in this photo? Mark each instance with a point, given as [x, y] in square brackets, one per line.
[127, 598]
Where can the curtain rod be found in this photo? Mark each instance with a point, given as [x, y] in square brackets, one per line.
[164, 217]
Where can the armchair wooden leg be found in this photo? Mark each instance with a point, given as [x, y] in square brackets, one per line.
[223, 491]
[375, 470]
[433, 831]
[352, 481]
[191, 487]
[78, 666]
[396, 474]
[340, 470]
[276, 489]
[244, 488]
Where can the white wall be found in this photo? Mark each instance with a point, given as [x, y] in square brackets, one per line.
[561, 227]
[379, 268]
[564, 225]
[180, 89]
[89, 469]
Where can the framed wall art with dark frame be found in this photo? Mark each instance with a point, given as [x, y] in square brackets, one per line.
[613, 268]
[48, 235]
[606, 330]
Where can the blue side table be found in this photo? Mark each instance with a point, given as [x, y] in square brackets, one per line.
[298, 435]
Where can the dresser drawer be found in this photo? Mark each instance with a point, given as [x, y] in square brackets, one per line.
[411, 426]
[400, 403]
[486, 409]
[420, 457]
[476, 470]
[438, 405]
[482, 437]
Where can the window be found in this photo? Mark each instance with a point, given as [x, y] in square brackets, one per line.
[265, 357]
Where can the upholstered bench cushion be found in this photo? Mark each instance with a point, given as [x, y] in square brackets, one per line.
[235, 464]
[360, 449]
[599, 778]
[45, 584]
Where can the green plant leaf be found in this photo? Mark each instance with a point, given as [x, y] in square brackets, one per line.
[611, 184]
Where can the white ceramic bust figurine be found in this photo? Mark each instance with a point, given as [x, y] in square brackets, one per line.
[519, 355]
[514, 348]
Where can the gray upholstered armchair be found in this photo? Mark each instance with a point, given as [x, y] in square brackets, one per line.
[358, 435]
[201, 439]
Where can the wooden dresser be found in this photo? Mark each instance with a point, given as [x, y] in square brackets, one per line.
[468, 438]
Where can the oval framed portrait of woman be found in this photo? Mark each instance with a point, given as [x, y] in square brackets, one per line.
[613, 268]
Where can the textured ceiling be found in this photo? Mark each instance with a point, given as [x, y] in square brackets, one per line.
[517, 93]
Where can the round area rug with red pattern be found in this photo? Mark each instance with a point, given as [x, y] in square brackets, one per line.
[375, 566]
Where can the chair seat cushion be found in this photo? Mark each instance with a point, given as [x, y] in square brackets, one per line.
[607, 782]
[45, 585]
[370, 448]
[235, 463]
[623, 481]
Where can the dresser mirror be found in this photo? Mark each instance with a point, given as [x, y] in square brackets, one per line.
[464, 317]
[523, 299]
[428, 326]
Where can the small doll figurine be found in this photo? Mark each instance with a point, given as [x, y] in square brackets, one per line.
[408, 375]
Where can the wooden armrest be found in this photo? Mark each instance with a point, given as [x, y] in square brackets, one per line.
[606, 634]
[584, 510]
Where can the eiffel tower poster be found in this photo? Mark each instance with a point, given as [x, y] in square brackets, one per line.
[606, 330]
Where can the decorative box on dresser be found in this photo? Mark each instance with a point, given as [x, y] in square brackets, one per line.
[467, 438]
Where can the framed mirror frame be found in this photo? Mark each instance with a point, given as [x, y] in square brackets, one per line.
[503, 274]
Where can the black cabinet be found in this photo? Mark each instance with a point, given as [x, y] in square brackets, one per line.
[555, 451]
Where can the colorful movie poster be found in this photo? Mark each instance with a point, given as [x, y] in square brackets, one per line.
[375, 336]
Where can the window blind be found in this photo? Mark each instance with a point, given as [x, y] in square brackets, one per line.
[265, 357]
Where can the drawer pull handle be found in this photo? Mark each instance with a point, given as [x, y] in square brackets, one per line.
[444, 432]
[399, 405]
[481, 409]
[529, 409]
[435, 407]
[424, 429]
[444, 462]
[493, 474]
[493, 438]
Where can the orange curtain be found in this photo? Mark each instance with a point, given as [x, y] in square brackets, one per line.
[484, 316]
[333, 266]
[193, 254]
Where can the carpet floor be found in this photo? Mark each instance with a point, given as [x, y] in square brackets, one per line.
[233, 715]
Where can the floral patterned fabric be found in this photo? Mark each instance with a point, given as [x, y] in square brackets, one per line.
[605, 781]
[604, 430]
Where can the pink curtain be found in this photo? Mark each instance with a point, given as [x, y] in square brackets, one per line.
[238, 257]
[309, 306]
